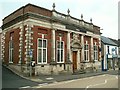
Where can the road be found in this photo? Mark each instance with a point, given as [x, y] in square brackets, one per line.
[11, 80]
[101, 81]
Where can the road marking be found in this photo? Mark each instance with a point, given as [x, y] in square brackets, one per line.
[96, 84]
[116, 77]
[106, 80]
[50, 78]
[58, 83]
[25, 87]
[42, 84]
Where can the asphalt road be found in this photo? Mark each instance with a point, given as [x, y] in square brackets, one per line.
[11, 80]
[101, 81]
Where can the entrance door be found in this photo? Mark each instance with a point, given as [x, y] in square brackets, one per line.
[74, 61]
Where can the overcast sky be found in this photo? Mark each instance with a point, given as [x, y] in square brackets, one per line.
[104, 13]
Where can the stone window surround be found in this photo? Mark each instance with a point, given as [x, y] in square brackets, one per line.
[11, 50]
[60, 40]
[96, 52]
[42, 49]
[85, 51]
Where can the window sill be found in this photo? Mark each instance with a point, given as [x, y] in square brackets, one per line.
[10, 62]
[60, 62]
[41, 63]
[95, 60]
[85, 62]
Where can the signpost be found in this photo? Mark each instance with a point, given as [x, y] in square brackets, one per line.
[31, 55]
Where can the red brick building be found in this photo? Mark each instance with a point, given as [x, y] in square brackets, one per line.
[58, 43]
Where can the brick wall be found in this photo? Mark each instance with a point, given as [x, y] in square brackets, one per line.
[25, 9]
[36, 35]
[64, 38]
[15, 45]
[97, 43]
[88, 39]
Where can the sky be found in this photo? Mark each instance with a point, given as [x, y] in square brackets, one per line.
[104, 13]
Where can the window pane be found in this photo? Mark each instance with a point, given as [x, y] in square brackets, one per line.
[94, 55]
[44, 55]
[44, 43]
[58, 55]
[85, 47]
[61, 55]
[58, 44]
[61, 45]
[94, 48]
[85, 55]
[12, 55]
[39, 55]
[11, 44]
[40, 43]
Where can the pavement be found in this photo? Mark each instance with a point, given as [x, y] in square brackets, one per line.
[64, 77]
[12, 80]
[59, 78]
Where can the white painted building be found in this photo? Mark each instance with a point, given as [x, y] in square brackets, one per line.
[109, 53]
[0, 41]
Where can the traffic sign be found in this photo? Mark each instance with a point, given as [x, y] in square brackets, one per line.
[30, 53]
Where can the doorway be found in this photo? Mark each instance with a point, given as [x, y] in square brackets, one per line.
[74, 61]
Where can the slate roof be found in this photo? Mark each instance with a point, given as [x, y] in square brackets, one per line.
[107, 41]
[114, 40]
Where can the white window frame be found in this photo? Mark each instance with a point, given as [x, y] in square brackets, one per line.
[60, 50]
[96, 53]
[10, 51]
[86, 51]
[42, 51]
